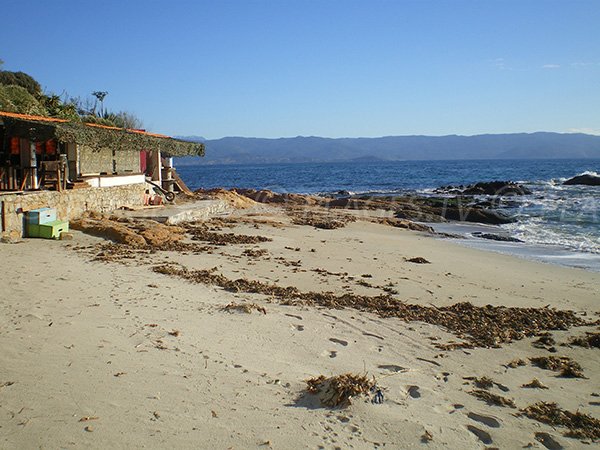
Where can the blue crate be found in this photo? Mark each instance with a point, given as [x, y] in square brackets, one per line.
[40, 216]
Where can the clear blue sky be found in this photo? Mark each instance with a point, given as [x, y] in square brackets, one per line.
[318, 67]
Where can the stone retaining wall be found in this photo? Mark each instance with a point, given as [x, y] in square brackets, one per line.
[69, 204]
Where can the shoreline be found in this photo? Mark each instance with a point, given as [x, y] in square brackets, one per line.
[548, 254]
[100, 350]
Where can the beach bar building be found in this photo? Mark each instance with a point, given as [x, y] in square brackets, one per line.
[78, 167]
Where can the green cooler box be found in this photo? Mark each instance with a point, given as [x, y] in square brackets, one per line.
[49, 230]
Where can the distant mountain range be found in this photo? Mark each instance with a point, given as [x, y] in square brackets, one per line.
[542, 145]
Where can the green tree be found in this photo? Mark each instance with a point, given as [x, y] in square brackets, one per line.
[18, 100]
[56, 107]
[100, 95]
[8, 78]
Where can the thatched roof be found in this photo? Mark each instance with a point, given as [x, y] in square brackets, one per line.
[39, 129]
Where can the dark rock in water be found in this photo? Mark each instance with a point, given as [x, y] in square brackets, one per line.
[496, 188]
[496, 237]
[343, 193]
[478, 215]
[499, 188]
[586, 180]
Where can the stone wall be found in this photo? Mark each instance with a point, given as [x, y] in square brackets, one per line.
[93, 160]
[69, 204]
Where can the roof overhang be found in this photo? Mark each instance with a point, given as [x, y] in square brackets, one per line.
[40, 129]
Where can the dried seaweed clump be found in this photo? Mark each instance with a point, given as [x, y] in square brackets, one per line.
[417, 260]
[580, 425]
[255, 252]
[483, 382]
[492, 399]
[544, 340]
[589, 340]
[244, 307]
[516, 363]
[566, 366]
[202, 233]
[534, 384]
[339, 390]
[322, 221]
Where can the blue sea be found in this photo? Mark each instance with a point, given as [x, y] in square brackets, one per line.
[559, 224]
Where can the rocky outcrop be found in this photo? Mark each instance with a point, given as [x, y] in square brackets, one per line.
[477, 215]
[496, 237]
[500, 188]
[586, 180]
[266, 196]
[420, 209]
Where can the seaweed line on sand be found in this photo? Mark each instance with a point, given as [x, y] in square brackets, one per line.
[492, 399]
[481, 326]
[580, 425]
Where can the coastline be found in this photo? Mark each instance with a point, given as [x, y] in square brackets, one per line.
[102, 351]
[547, 254]
[553, 214]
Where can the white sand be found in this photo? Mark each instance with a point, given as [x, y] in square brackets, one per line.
[77, 338]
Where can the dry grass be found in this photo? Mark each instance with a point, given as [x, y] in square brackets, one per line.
[580, 425]
[338, 391]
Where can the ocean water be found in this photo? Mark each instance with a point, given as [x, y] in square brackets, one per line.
[559, 224]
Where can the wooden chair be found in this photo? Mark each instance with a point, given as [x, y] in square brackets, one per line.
[53, 175]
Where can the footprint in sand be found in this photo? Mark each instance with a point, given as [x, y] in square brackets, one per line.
[483, 436]
[443, 376]
[486, 420]
[373, 335]
[295, 316]
[391, 367]
[339, 341]
[330, 353]
[548, 441]
[413, 391]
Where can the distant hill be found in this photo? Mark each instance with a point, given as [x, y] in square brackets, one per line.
[542, 145]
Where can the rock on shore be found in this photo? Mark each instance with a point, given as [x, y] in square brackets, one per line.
[586, 180]
[500, 188]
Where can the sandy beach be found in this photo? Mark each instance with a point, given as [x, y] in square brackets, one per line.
[109, 345]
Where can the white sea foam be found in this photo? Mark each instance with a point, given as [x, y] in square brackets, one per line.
[537, 231]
